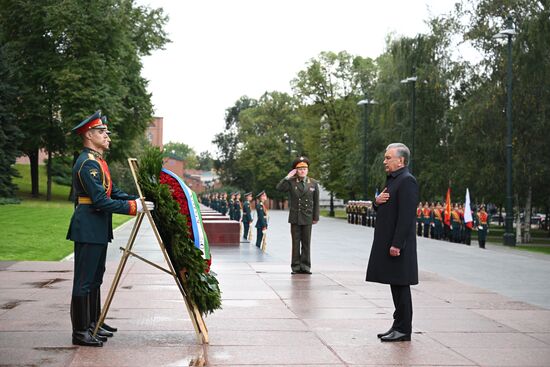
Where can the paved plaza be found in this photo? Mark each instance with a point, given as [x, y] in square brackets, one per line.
[473, 307]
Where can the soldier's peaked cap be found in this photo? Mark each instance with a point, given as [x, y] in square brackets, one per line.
[248, 194]
[300, 162]
[260, 194]
[94, 121]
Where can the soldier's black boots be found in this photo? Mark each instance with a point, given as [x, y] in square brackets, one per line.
[95, 312]
[80, 317]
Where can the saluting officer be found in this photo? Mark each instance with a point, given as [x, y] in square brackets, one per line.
[247, 214]
[96, 198]
[303, 195]
[261, 221]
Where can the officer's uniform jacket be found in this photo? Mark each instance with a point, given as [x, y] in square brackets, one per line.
[237, 210]
[303, 201]
[261, 211]
[247, 213]
[96, 198]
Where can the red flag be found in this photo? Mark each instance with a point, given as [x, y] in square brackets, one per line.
[447, 218]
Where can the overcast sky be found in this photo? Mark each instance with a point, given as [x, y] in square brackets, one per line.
[224, 49]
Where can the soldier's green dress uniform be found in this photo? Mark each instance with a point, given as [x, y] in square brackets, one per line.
[206, 200]
[215, 203]
[222, 205]
[456, 224]
[247, 216]
[303, 197]
[438, 222]
[261, 220]
[96, 198]
[237, 210]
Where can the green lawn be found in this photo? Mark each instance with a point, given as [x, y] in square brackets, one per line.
[36, 229]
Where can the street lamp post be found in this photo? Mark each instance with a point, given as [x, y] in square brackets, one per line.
[412, 80]
[508, 238]
[365, 102]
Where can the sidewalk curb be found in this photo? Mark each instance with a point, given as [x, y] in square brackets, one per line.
[70, 257]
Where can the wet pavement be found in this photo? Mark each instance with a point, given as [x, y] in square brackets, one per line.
[473, 307]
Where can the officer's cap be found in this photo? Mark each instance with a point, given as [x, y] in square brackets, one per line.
[94, 121]
[248, 194]
[300, 162]
[260, 194]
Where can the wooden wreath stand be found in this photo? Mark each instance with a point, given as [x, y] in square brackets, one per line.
[195, 315]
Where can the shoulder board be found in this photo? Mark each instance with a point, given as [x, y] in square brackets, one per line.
[91, 157]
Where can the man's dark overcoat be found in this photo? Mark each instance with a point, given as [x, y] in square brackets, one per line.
[395, 226]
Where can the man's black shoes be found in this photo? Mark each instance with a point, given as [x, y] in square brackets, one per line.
[396, 336]
[300, 272]
[384, 334]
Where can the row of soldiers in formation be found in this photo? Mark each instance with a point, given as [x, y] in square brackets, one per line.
[232, 206]
[430, 221]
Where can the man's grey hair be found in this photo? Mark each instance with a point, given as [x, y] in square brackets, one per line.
[401, 150]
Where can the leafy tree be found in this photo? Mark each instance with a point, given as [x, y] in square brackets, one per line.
[206, 162]
[531, 92]
[181, 151]
[331, 85]
[70, 58]
[228, 141]
[10, 134]
[271, 137]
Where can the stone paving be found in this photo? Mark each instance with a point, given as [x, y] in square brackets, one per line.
[472, 307]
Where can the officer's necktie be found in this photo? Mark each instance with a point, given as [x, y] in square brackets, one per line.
[303, 183]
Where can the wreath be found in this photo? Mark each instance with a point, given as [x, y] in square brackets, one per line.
[171, 216]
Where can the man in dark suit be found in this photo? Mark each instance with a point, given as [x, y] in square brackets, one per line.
[393, 257]
[91, 228]
[303, 199]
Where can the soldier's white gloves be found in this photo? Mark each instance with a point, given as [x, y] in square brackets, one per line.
[148, 204]
[264, 231]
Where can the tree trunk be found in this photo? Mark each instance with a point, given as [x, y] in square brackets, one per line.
[71, 192]
[49, 181]
[331, 211]
[33, 159]
[518, 222]
[527, 218]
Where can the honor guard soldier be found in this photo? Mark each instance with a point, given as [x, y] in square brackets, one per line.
[96, 199]
[419, 219]
[438, 221]
[455, 224]
[216, 202]
[223, 203]
[363, 213]
[247, 214]
[230, 206]
[237, 207]
[303, 198]
[206, 200]
[261, 215]
[482, 223]
[426, 219]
